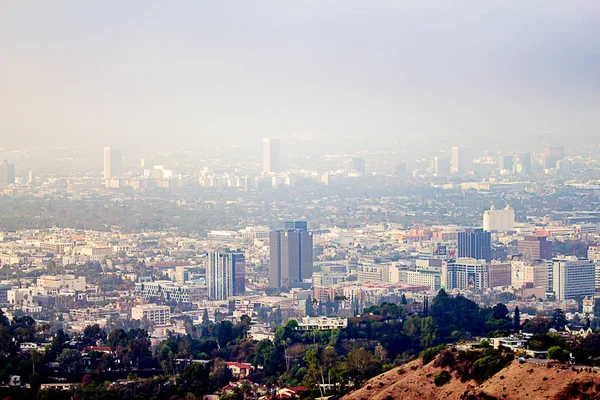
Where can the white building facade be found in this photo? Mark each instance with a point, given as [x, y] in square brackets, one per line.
[573, 278]
[499, 220]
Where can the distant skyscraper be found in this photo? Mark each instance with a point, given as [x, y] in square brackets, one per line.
[525, 163]
[225, 275]
[270, 155]
[291, 255]
[441, 166]
[505, 162]
[358, 165]
[475, 243]
[462, 159]
[113, 161]
[552, 155]
[7, 174]
[564, 166]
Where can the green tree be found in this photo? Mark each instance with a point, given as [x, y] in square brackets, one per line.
[58, 342]
[224, 333]
[116, 338]
[441, 378]
[559, 320]
[358, 364]
[92, 334]
[265, 355]
[309, 307]
[517, 320]
[487, 366]
[428, 329]
[538, 324]
[70, 359]
[403, 299]
[500, 311]
[559, 354]
[205, 319]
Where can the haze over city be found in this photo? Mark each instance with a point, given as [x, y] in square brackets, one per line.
[266, 200]
[161, 75]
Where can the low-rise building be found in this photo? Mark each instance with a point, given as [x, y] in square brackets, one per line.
[508, 342]
[239, 370]
[322, 323]
[52, 284]
[167, 290]
[158, 315]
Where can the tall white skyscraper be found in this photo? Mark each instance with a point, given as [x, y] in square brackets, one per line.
[462, 159]
[225, 275]
[112, 162]
[270, 155]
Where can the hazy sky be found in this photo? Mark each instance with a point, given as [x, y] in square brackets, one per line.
[165, 73]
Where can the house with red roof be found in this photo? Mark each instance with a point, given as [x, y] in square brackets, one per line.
[240, 370]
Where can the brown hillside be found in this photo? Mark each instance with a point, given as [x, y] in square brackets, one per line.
[516, 381]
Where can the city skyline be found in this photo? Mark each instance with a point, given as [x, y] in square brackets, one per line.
[299, 199]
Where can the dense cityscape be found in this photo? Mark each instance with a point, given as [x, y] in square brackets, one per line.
[299, 199]
[257, 282]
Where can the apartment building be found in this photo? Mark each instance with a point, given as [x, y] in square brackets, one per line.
[157, 315]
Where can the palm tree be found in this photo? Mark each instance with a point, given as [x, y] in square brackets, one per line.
[35, 358]
[245, 388]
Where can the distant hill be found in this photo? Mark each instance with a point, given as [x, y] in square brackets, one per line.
[516, 381]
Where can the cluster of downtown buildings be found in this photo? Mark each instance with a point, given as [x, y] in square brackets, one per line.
[268, 264]
[300, 263]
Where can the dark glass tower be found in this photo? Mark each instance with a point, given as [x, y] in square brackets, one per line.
[291, 251]
[475, 243]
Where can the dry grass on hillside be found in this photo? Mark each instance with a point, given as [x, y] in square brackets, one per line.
[515, 382]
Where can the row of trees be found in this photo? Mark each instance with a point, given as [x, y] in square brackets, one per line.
[330, 362]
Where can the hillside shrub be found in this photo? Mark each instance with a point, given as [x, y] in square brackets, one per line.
[441, 378]
[429, 354]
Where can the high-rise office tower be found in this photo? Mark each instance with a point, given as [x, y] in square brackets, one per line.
[535, 248]
[505, 162]
[291, 255]
[564, 166]
[113, 161]
[357, 164]
[475, 243]
[525, 163]
[462, 159]
[270, 155]
[225, 275]
[573, 279]
[552, 155]
[441, 166]
[7, 174]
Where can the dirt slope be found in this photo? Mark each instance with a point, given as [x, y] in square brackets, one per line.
[516, 381]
